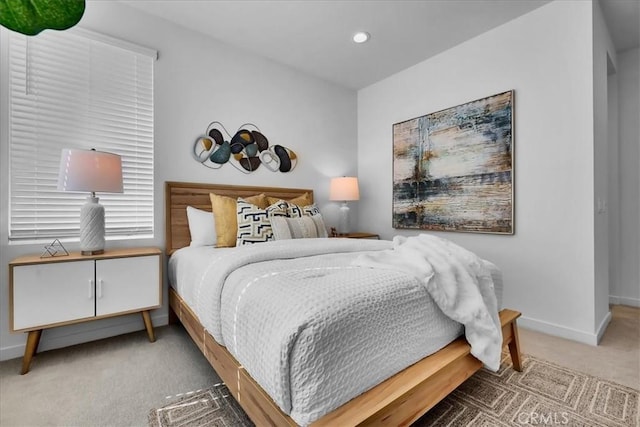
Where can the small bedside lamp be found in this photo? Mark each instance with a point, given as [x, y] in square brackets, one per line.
[344, 189]
[92, 171]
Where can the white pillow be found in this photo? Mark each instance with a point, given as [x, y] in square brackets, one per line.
[303, 227]
[202, 226]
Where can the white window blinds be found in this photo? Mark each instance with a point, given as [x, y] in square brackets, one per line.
[78, 89]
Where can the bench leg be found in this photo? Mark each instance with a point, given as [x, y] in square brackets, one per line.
[33, 339]
[514, 348]
[510, 336]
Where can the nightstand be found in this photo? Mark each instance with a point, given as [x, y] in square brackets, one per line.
[359, 236]
[55, 291]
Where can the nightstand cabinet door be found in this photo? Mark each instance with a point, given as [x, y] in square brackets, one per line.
[45, 294]
[127, 284]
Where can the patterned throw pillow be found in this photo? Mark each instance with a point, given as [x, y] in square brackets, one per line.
[304, 227]
[254, 223]
[297, 211]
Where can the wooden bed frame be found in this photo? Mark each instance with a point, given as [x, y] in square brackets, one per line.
[397, 401]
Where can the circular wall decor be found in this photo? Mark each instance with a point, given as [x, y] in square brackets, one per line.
[245, 150]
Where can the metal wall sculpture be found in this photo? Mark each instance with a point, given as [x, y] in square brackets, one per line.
[453, 169]
[246, 150]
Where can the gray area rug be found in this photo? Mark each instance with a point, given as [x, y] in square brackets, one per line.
[543, 394]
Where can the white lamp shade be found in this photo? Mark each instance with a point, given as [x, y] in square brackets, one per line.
[90, 170]
[344, 188]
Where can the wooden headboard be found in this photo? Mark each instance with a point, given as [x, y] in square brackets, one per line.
[179, 195]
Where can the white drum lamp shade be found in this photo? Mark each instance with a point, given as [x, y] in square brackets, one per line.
[344, 189]
[91, 171]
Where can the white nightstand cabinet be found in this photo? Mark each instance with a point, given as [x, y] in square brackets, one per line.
[57, 291]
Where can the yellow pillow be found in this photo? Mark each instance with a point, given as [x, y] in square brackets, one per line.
[225, 212]
[302, 200]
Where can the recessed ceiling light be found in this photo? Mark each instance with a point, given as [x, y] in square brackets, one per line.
[361, 37]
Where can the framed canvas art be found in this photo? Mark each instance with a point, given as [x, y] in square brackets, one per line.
[453, 169]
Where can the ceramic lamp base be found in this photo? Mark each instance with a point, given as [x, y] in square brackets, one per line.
[100, 252]
[92, 227]
[343, 224]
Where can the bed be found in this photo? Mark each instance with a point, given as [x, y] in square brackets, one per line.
[398, 400]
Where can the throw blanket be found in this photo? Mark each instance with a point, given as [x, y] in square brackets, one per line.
[458, 282]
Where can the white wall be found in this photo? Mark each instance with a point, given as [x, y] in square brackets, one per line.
[603, 54]
[627, 288]
[546, 57]
[198, 80]
[613, 184]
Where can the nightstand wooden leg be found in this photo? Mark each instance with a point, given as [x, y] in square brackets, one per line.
[148, 325]
[33, 339]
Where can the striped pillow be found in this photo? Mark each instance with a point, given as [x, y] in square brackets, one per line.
[254, 223]
[304, 227]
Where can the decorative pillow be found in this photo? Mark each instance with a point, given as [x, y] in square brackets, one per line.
[225, 212]
[302, 200]
[254, 223]
[295, 211]
[202, 227]
[308, 226]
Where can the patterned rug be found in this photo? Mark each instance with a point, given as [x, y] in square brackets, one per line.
[544, 394]
[213, 407]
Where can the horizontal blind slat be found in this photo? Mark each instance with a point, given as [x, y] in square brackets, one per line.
[78, 90]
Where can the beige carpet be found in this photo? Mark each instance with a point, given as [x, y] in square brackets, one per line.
[543, 394]
[616, 358]
[112, 382]
[116, 381]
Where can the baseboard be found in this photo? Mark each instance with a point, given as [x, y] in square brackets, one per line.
[603, 326]
[558, 331]
[131, 324]
[616, 300]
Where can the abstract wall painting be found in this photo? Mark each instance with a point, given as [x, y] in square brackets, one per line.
[453, 169]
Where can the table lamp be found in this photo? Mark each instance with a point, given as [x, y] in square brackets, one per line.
[344, 189]
[92, 171]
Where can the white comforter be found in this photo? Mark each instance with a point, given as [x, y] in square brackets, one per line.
[311, 327]
[457, 280]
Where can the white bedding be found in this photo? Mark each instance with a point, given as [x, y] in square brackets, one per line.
[310, 327]
[457, 280]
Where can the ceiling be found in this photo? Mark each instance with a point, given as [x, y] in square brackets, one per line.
[314, 36]
[623, 21]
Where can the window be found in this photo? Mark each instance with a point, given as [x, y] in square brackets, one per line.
[78, 89]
